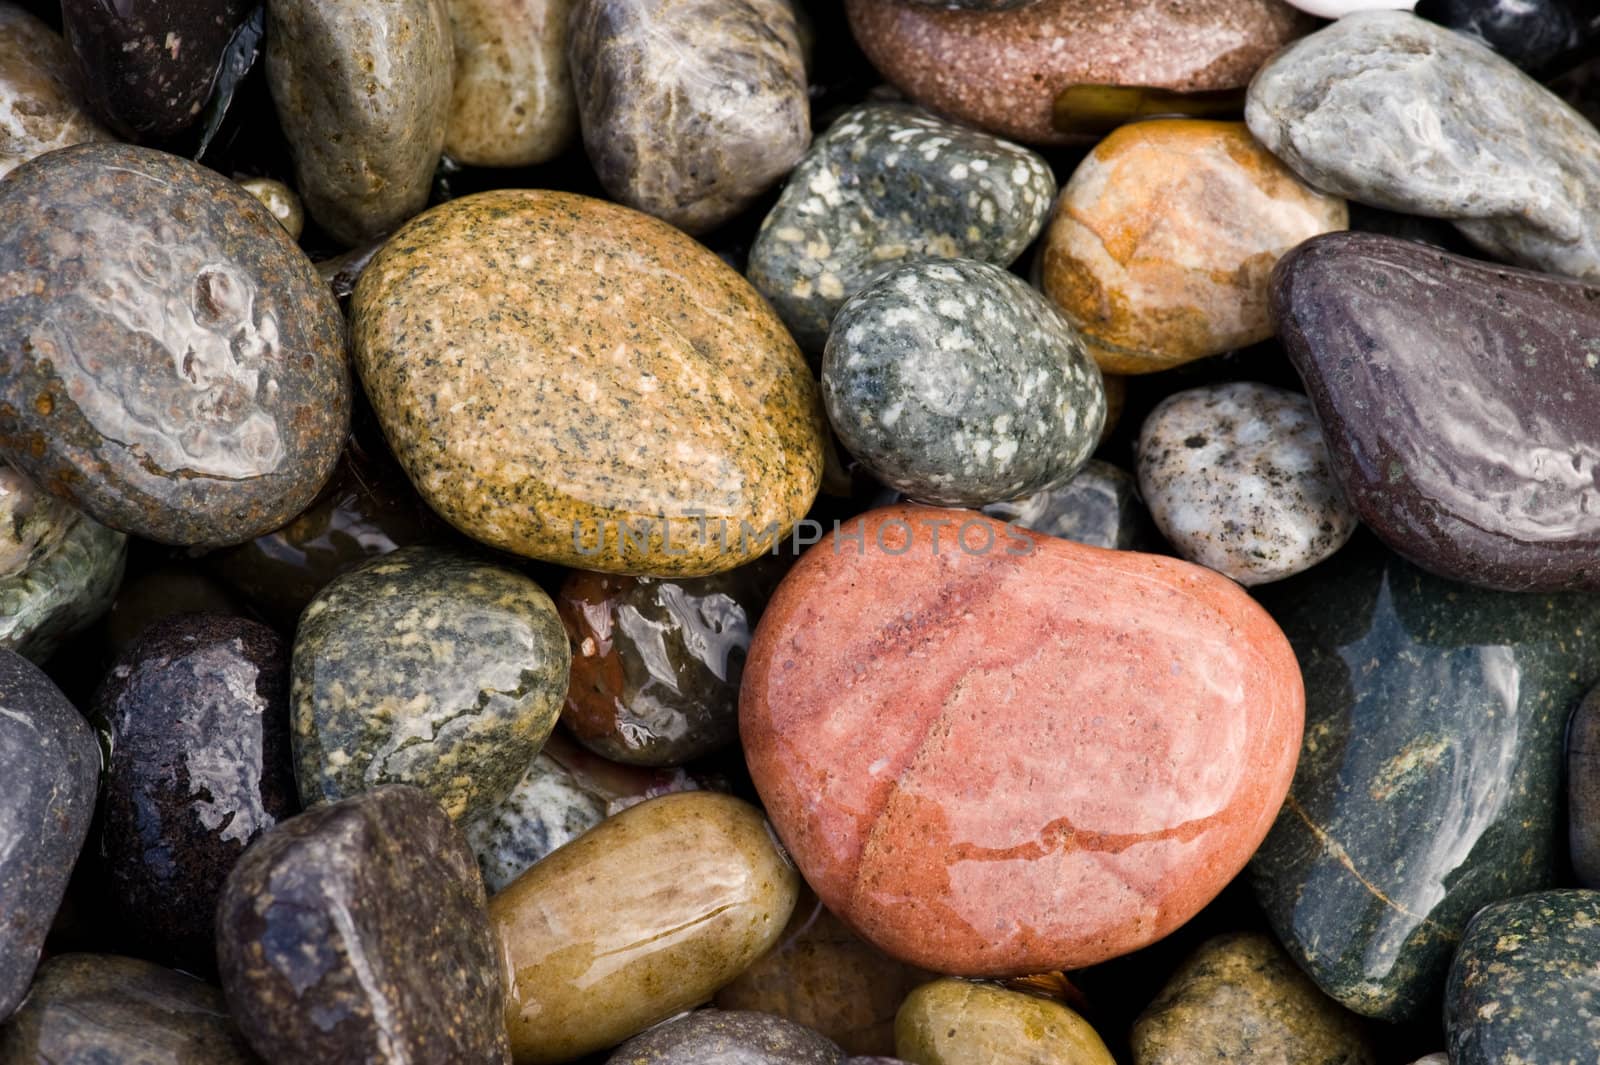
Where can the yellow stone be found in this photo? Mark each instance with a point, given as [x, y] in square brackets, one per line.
[958, 1022]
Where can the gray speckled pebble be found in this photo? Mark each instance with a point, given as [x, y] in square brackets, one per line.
[728, 1037]
[886, 183]
[957, 384]
[1099, 506]
[40, 101]
[428, 668]
[1391, 110]
[1237, 476]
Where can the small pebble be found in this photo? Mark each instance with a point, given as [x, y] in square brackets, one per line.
[512, 100]
[955, 1022]
[728, 1038]
[279, 199]
[1099, 506]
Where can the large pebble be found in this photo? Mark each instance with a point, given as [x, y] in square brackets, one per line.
[642, 917]
[955, 1022]
[690, 108]
[357, 932]
[727, 1038]
[362, 89]
[1163, 241]
[512, 101]
[172, 364]
[1397, 112]
[428, 668]
[41, 108]
[956, 383]
[887, 183]
[1457, 401]
[641, 410]
[946, 736]
[1583, 790]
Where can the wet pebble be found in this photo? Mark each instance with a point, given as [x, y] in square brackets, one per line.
[728, 1037]
[956, 1022]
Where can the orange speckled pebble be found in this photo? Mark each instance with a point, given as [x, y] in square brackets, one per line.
[1036, 757]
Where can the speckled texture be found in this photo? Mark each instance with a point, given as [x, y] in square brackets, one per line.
[1524, 988]
[641, 403]
[1239, 998]
[1429, 784]
[887, 183]
[1457, 400]
[1531, 33]
[728, 1037]
[428, 668]
[41, 108]
[1388, 109]
[59, 570]
[956, 383]
[1099, 506]
[955, 1022]
[642, 917]
[512, 102]
[690, 108]
[1163, 241]
[1001, 71]
[1583, 790]
[169, 360]
[1238, 478]
[100, 1009]
[362, 89]
[50, 765]
[195, 720]
[282, 202]
[356, 932]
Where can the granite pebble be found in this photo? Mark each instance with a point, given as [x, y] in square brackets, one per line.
[512, 101]
[41, 106]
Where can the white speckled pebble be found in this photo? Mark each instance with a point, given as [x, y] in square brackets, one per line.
[1237, 477]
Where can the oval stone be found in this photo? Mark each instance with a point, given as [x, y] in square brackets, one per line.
[643, 411]
[728, 1037]
[279, 199]
[642, 917]
[428, 668]
[955, 1022]
[171, 363]
[944, 736]
[512, 102]
[1098, 506]
[38, 92]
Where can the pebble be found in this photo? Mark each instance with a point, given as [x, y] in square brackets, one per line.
[89, 1009]
[656, 664]
[1525, 983]
[956, 383]
[1583, 790]
[944, 737]
[429, 668]
[50, 765]
[955, 1022]
[1098, 506]
[1430, 781]
[1238, 478]
[1340, 8]
[1456, 399]
[172, 364]
[1162, 243]
[281, 201]
[365, 119]
[357, 932]
[644, 916]
[1002, 71]
[690, 111]
[59, 570]
[195, 719]
[41, 108]
[1531, 33]
[512, 100]
[642, 388]
[728, 1038]
[888, 183]
[1240, 998]
[1388, 109]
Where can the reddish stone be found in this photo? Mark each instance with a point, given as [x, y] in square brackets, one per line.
[1002, 763]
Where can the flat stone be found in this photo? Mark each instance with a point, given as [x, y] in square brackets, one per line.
[1001, 71]
[1238, 478]
[1239, 998]
[956, 383]
[195, 716]
[955, 1022]
[1522, 986]
[1583, 790]
[51, 766]
[428, 668]
[512, 102]
[357, 932]
[643, 387]
[1456, 398]
[172, 365]
[1099, 506]
[85, 1009]
[641, 918]
[1397, 112]
[728, 1037]
[888, 183]
[365, 120]
[1533, 34]
[945, 737]
[690, 109]
[1162, 243]
[39, 92]
[1430, 781]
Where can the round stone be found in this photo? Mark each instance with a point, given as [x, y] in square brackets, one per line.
[738, 1037]
[38, 92]
[955, 1022]
[281, 201]
[512, 102]
[171, 362]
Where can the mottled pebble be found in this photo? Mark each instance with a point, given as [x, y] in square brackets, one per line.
[512, 100]
[957, 1022]
[728, 1037]
[280, 200]
[41, 108]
